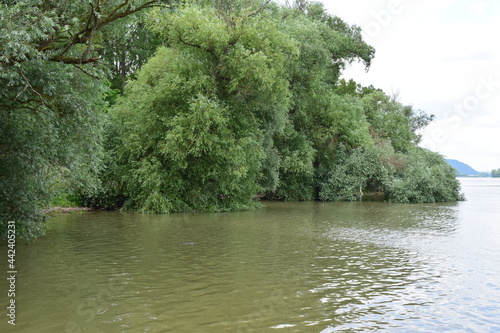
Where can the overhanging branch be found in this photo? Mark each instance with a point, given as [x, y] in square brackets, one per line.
[73, 60]
[95, 22]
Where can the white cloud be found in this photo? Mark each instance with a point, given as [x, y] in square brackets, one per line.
[475, 146]
[437, 54]
[478, 7]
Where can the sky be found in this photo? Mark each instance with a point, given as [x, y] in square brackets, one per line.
[442, 57]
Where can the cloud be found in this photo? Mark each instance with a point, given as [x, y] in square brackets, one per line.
[437, 54]
[473, 145]
[471, 56]
[478, 7]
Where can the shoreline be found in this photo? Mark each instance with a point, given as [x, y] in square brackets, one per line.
[59, 209]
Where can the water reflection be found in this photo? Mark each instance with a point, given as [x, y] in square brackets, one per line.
[291, 267]
[367, 285]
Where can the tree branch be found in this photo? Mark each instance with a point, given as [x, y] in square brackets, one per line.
[73, 60]
[195, 45]
[28, 84]
[92, 26]
[85, 72]
[255, 12]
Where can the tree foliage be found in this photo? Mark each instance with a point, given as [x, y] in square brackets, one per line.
[43, 138]
[194, 125]
[425, 177]
[245, 99]
[58, 30]
[52, 106]
[224, 100]
[126, 47]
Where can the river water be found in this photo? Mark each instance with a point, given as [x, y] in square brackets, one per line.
[289, 267]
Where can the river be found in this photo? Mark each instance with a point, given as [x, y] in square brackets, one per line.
[289, 267]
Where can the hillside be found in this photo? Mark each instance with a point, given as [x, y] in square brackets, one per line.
[462, 168]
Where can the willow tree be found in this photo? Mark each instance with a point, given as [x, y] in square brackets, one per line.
[196, 126]
[319, 118]
[51, 100]
[245, 98]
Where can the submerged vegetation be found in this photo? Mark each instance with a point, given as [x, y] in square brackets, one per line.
[222, 102]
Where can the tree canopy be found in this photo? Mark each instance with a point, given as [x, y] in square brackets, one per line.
[52, 100]
[495, 173]
[223, 101]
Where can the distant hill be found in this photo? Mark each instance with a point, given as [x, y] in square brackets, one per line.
[462, 168]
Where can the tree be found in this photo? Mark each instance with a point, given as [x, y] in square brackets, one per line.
[495, 173]
[391, 120]
[195, 124]
[348, 176]
[296, 168]
[51, 101]
[58, 30]
[126, 47]
[45, 138]
[247, 99]
[424, 177]
[320, 119]
[242, 97]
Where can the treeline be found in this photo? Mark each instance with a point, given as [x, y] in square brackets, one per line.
[223, 101]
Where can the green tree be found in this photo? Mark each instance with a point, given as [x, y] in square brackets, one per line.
[352, 88]
[126, 47]
[320, 119]
[296, 170]
[393, 121]
[495, 173]
[46, 138]
[247, 99]
[424, 177]
[51, 101]
[196, 123]
[348, 175]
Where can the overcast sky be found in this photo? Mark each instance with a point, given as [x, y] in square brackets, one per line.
[442, 57]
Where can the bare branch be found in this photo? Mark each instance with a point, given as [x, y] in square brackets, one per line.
[114, 15]
[85, 72]
[117, 8]
[94, 24]
[42, 100]
[22, 92]
[195, 45]
[255, 12]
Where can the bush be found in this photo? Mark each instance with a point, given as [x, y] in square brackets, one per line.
[425, 178]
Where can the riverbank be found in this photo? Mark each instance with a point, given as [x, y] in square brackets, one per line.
[59, 209]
